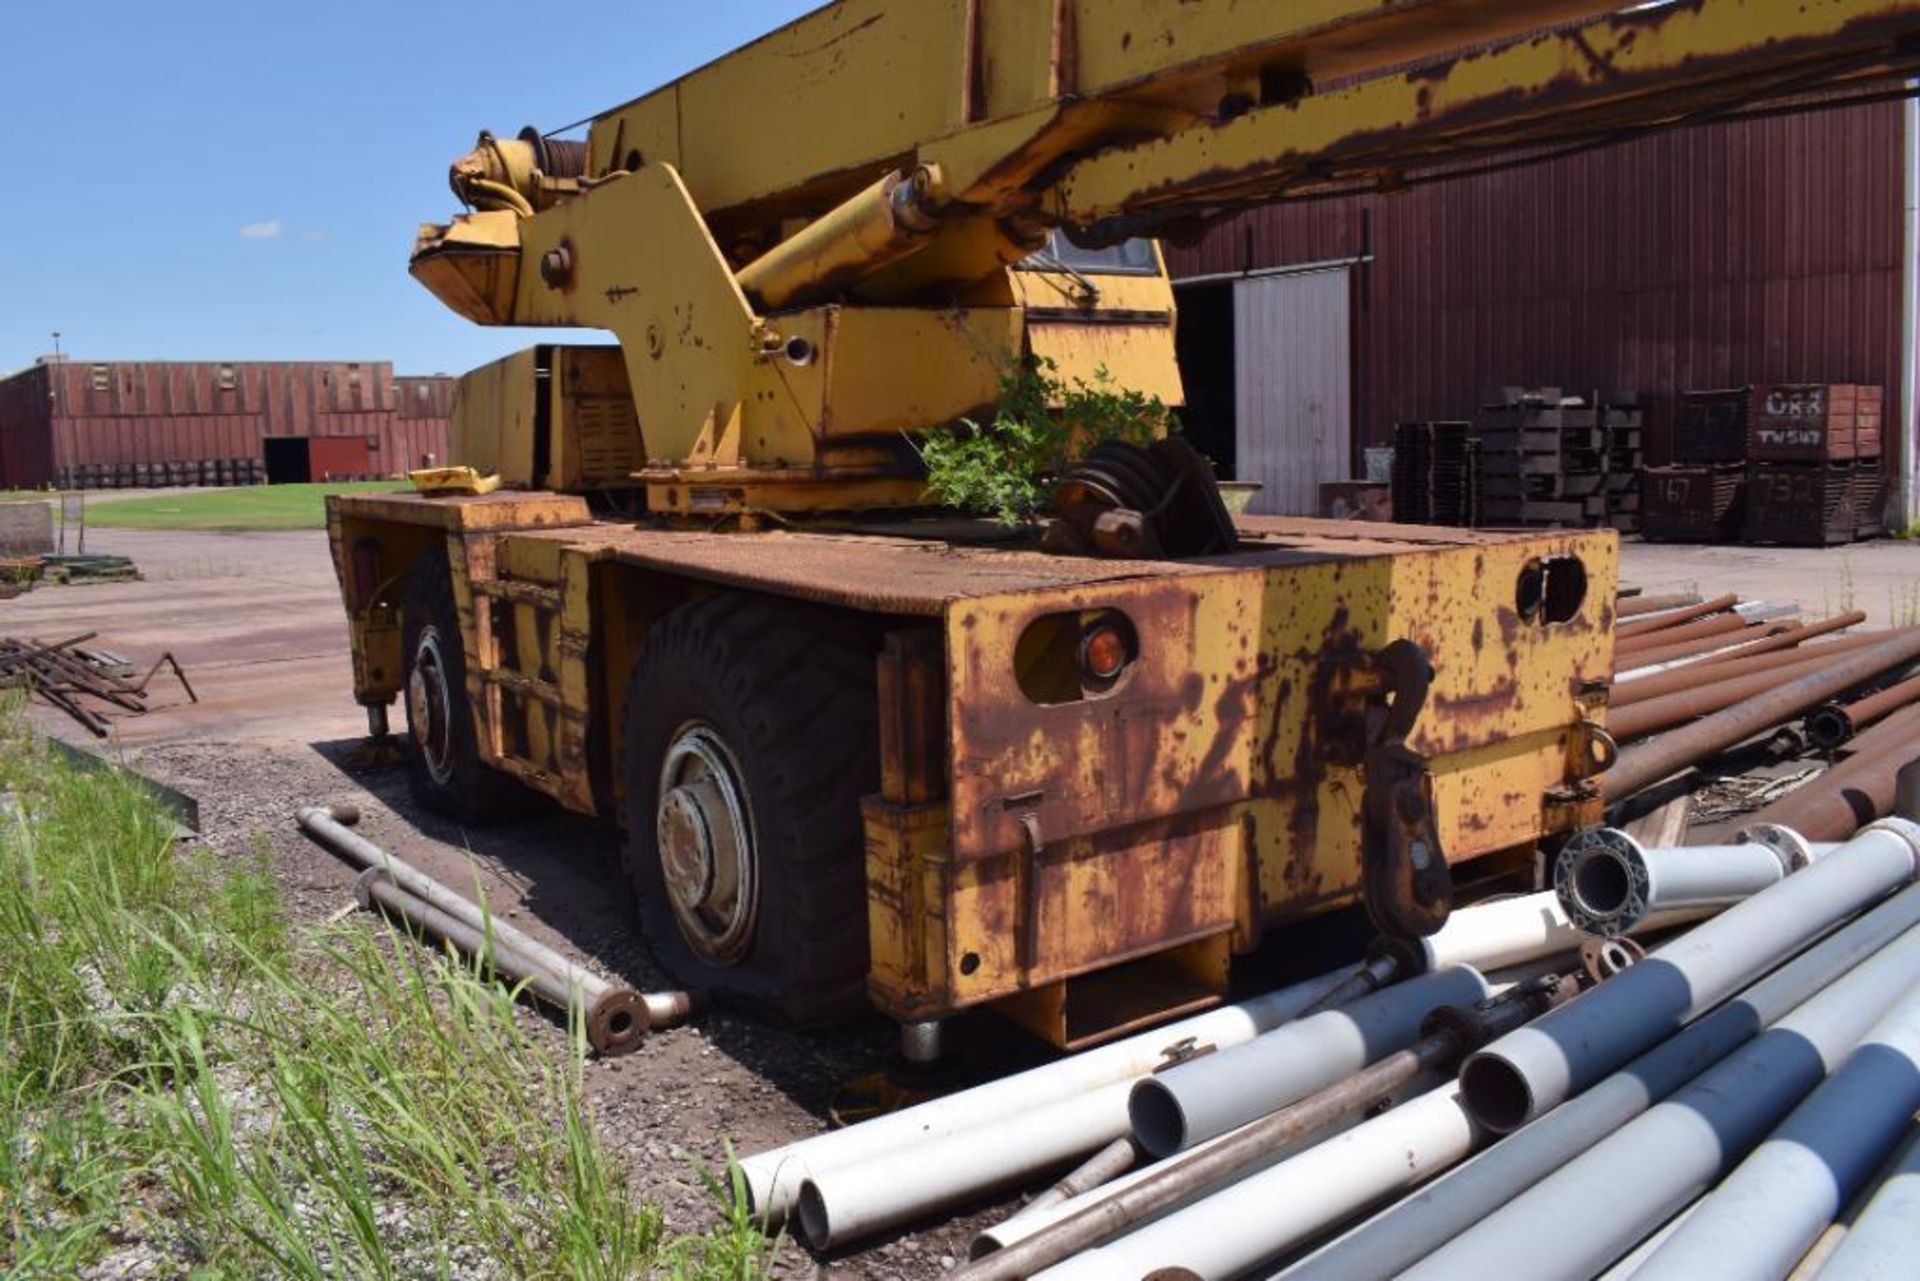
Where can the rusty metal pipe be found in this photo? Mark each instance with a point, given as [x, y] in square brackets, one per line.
[1857, 790]
[1717, 625]
[1710, 692]
[1648, 763]
[615, 1018]
[1674, 618]
[1830, 726]
[1098, 1170]
[1635, 606]
[1172, 1182]
[1713, 670]
[1780, 636]
[1723, 643]
[329, 826]
[1374, 973]
[1777, 638]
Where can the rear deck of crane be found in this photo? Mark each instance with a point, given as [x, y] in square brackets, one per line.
[865, 752]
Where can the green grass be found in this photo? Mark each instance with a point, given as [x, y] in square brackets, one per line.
[253, 507]
[188, 1077]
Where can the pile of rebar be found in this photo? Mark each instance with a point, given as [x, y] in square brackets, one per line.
[83, 683]
[1468, 1107]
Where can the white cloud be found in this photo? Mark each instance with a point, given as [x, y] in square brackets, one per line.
[313, 235]
[268, 230]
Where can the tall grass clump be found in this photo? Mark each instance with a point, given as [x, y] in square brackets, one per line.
[191, 1084]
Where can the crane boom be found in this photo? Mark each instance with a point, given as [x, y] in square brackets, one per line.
[807, 249]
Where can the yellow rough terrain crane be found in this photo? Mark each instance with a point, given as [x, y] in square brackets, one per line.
[862, 752]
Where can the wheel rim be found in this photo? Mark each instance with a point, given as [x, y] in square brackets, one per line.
[429, 700]
[704, 830]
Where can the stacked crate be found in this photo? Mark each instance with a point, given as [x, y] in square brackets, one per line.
[1434, 478]
[1813, 454]
[1549, 459]
[1623, 429]
[1702, 496]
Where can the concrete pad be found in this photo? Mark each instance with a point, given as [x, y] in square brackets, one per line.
[1881, 577]
[255, 619]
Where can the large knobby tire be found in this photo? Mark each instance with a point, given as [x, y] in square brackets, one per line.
[444, 769]
[750, 738]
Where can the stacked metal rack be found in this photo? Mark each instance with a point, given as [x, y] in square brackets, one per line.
[1813, 464]
[1550, 459]
[1436, 479]
[1788, 463]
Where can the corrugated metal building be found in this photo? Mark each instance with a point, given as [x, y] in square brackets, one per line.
[72, 421]
[1760, 251]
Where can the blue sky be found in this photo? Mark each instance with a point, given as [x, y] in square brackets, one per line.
[217, 180]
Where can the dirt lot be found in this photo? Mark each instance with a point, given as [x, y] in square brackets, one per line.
[255, 619]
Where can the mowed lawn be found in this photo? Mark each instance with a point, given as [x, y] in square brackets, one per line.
[251, 507]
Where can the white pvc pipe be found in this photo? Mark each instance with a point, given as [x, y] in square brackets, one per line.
[1027, 1222]
[1513, 932]
[1644, 1251]
[1175, 1109]
[774, 1177]
[1403, 1234]
[1248, 1222]
[1031, 1219]
[1492, 936]
[1585, 1215]
[1536, 1068]
[1768, 1213]
[1883, 1242]
[849, 1202]
[1609, 883]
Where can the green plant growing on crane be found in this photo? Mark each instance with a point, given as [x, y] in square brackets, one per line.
[1007, 467]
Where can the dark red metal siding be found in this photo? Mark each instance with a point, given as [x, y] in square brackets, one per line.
[1755, 252]
[176, 411]
[26, 430]
[338, 457]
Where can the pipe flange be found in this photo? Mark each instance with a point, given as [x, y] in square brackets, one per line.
[1602, 881]
[1603, 958]
[618, 1022]
[1792, 849]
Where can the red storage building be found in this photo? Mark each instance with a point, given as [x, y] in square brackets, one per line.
[134, 423]
[1760, 251]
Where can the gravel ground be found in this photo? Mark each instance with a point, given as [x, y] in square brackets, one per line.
[256, 618]
[666, 1111]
